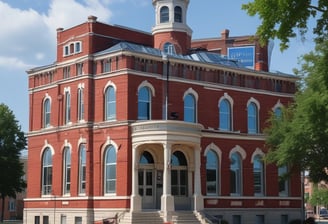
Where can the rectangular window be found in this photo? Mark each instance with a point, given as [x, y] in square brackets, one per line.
[80, 104]
[283, 181]
[67, 107]
[236, 219]
[36, 219]
[77, 47]
[63, 219]
[284, 219]
[78, 220]
[12, 205]
[66, 50]
[79, 69]
[45, 219]
[259, 219]
[107, 65]
[67, 72]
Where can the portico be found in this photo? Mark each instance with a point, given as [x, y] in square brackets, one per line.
[166, 166]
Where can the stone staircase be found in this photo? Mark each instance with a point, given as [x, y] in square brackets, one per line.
[184, 217]
[141, 218]
[156, 217]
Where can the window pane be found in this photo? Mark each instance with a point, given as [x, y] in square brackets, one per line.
[110, 103]
[252, 118]
[189, 108]
[144, 104]
[225, 116]
[178, 14]
[164, 14]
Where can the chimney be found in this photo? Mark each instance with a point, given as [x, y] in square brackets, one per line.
[92, 19]
[225, 34]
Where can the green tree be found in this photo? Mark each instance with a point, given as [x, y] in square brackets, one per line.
[12, 141]
[319, 197]
[283, 18]
[299, 136]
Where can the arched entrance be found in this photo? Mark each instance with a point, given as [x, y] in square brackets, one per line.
[150, 182]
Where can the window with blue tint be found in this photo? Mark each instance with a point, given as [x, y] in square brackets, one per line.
[80, 108]
[82, 169]
[283, 181]
[67, 107]
[252, 115]
[144, 103]
[169, 48]
[46, 113]
[225, 115]
[164, 13]
[110, 101]
[47, 172]
[110, 170]
[77, 47]
[258, 175]
[178, 14]
[235, 174]
[179, 174]
[189, 108]
[67, 170]
[278, 112]
[212, 173]
[146, 158]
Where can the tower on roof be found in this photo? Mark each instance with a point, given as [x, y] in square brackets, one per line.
[171, 32]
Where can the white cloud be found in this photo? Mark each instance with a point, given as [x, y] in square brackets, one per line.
[29, 37]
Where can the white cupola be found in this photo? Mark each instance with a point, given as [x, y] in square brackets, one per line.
[171, 24]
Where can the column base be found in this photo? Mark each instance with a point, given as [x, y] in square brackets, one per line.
[198, 202]
[135, 203]
[167, 203]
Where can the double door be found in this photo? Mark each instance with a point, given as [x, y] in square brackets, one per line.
[150, 187]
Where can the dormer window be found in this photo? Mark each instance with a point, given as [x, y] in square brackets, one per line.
[165, 14]
[178, 14]
[169, 48]
[73, 48]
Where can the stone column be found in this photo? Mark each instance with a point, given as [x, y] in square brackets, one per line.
[198, 198]
[135, 200]
[167, 200]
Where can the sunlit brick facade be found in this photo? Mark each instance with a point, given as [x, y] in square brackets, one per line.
[127, 121]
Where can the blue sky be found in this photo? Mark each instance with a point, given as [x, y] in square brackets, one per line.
[28, 34]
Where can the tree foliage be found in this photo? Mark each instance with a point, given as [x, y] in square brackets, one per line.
[319, 197]
[299, 136]
[283, 18]
[12, 141]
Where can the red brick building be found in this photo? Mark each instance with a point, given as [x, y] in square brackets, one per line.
[126, 122]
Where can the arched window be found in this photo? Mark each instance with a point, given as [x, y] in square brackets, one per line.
[169, 48]
[258, 175]
[67, 107]
[190, 108]
[252, 115]
[144, 103]
[47, 172]
[278, 112]
[67, 170]
[82, 169]
[225, 115]
[110, 170]
[178, 14]
[283, 181]
[212, 173]
[165, 16]
[80, 102]
[179, 174]
[46, 113]
[146, 158]
[235, 174]
[110, 103]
